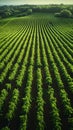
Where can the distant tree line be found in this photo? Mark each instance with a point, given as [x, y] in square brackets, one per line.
[8, 11]
[23, 10]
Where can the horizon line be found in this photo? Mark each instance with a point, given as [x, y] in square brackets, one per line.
[36, 4]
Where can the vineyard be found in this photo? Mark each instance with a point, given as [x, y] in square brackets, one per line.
[36, 73]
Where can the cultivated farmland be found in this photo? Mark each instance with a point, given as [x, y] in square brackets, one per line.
[36, 73]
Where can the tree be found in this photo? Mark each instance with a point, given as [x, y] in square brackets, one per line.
[29, 11]
[66, 13]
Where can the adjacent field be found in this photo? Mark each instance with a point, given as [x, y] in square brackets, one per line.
[36, 73]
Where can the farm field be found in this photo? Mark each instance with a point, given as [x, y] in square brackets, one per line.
[36, 73]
